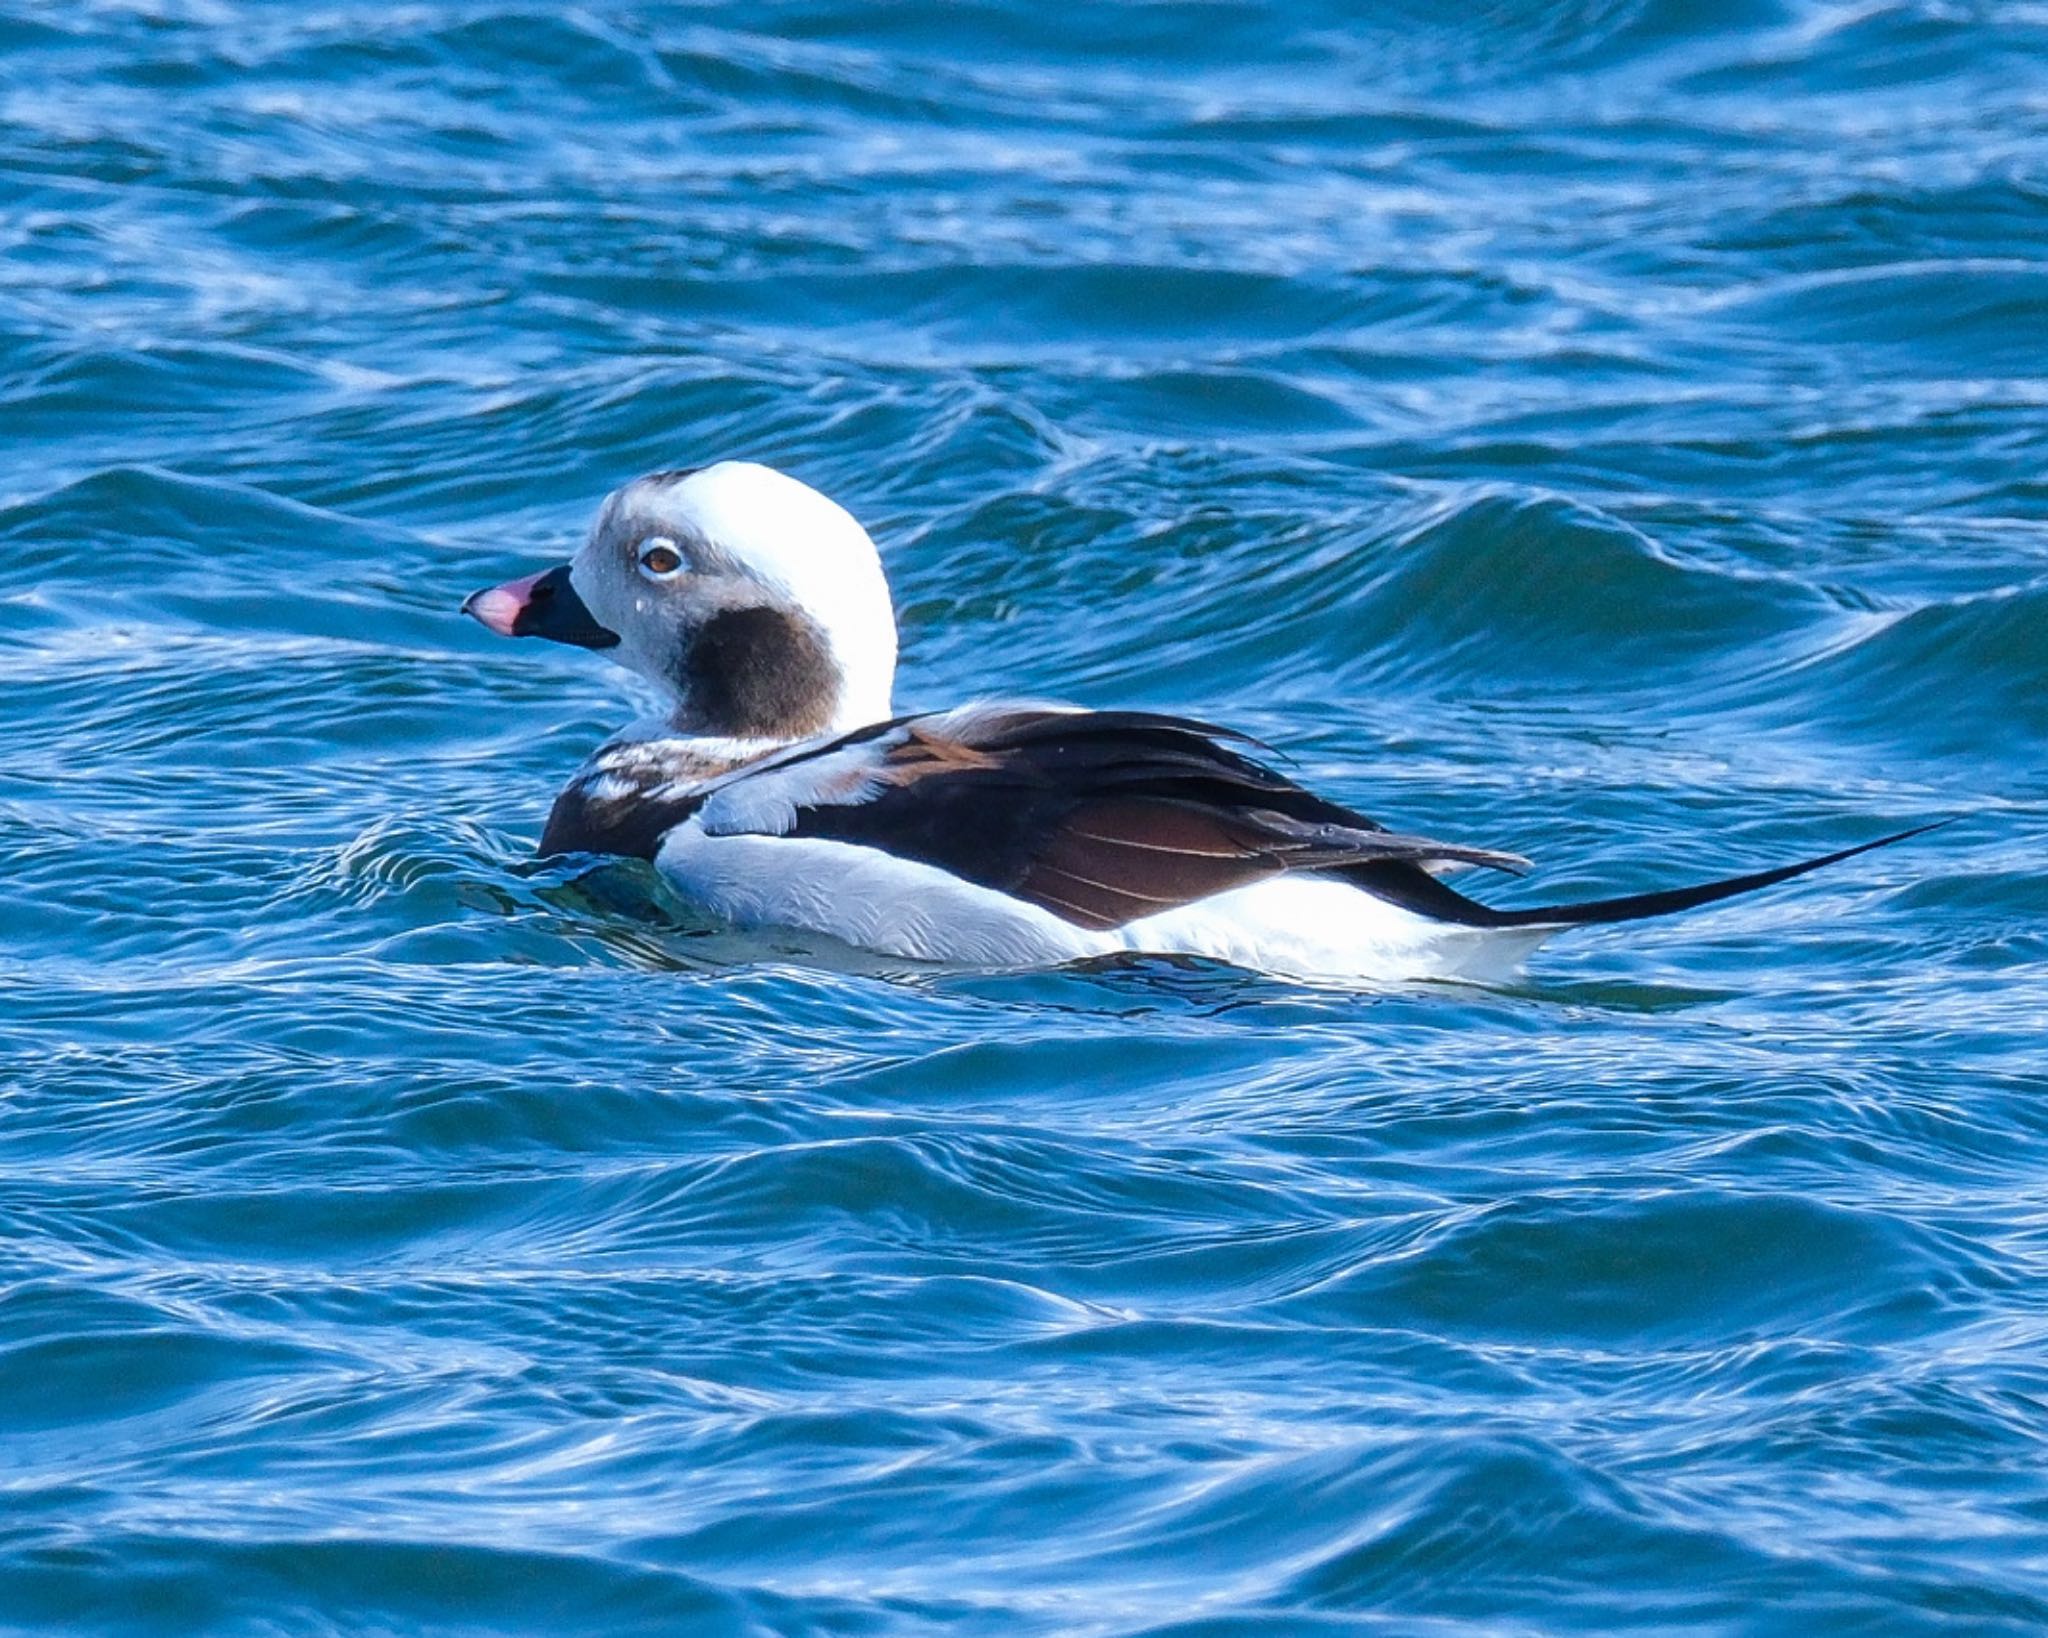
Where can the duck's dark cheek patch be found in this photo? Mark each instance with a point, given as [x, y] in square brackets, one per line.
[760, 673]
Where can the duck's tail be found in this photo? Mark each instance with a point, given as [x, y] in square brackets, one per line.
[1417, 890]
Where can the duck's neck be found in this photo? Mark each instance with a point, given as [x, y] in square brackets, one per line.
[686, 750]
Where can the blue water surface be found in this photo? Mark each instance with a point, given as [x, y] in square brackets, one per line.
[1610, 429]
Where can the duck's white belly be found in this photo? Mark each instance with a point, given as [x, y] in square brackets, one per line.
[1302, 926]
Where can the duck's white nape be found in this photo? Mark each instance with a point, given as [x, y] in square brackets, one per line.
[746, 521]
[815, 551]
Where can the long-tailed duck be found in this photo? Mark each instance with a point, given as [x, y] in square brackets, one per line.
[778, 790]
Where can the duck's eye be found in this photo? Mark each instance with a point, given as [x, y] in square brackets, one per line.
[660, 558]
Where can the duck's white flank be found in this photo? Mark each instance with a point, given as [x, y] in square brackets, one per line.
[1297, 926]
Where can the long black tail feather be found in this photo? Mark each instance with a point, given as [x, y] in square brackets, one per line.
[1417, 890]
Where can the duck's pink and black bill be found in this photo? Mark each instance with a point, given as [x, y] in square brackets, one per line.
[540, 605]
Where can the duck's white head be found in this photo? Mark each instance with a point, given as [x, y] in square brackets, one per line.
[755, 604]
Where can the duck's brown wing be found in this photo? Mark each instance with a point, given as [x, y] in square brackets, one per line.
[1100, 817]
